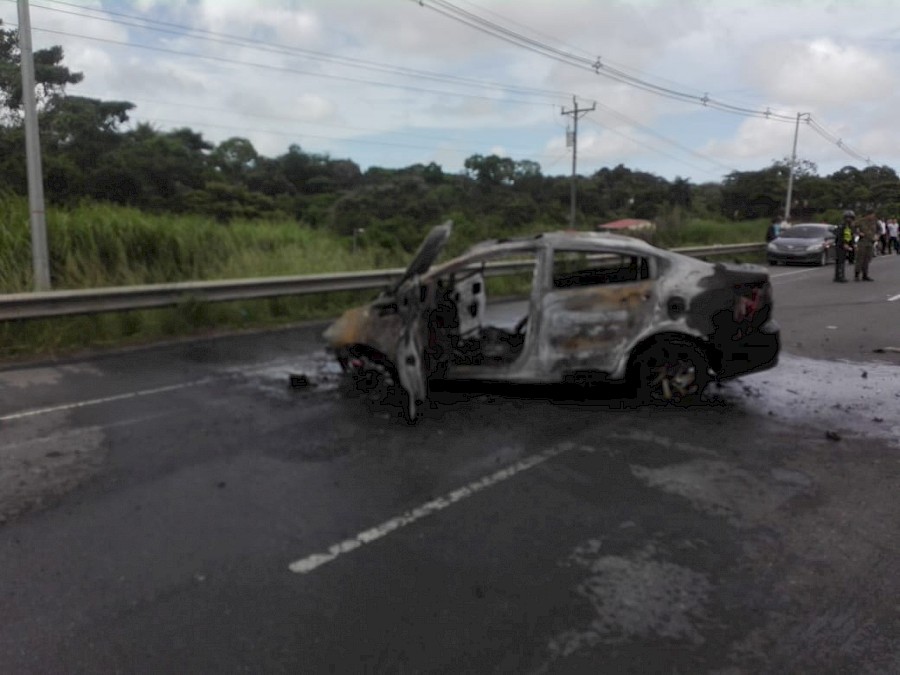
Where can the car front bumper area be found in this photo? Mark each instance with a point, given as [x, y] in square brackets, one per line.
[751, 353]
[795, 257]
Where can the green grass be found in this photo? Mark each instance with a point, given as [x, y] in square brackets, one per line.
[96, 245]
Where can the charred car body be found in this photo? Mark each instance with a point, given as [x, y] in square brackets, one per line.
[599, 306]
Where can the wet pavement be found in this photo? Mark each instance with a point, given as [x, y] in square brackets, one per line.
[157, 502]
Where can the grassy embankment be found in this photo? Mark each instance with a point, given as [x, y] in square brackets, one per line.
[97, 245]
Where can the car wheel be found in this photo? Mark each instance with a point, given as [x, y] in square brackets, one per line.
[671, 371]
[773, 263]
[374, 377]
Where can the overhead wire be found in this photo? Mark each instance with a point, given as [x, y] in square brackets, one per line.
[649, 146]
[616, 73]
[167, 27]
[496, 30]
[181, 30]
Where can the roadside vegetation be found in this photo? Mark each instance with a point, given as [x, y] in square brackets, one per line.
[94, 245]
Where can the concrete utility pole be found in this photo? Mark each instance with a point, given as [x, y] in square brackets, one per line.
[39, 255]
[790, 187]
[576, 112]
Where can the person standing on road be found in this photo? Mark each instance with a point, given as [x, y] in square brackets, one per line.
[893, 232]
[843, 241]
[774, 229]
[882, 236]
[866, 247]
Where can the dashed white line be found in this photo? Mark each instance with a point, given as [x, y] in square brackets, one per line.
[896, 297]
[108, 399]
[311, 562]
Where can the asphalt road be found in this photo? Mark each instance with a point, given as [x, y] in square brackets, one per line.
[180, 509]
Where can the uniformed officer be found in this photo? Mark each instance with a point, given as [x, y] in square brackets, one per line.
[843, 242]
[868, 230]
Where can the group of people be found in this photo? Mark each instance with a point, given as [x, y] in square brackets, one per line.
[856, 240]
[889, 236]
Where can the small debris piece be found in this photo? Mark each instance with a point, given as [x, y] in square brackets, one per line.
[883, 350]
[878, 419]
[299, 380]
[865, 374]
[832, 436]
[221, 484]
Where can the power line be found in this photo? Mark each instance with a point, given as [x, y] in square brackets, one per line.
[605, 69]
[193, 33]
[170, 28]
[654, 148]
[247, 42]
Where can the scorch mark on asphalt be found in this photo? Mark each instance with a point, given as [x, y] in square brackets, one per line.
[311, 562]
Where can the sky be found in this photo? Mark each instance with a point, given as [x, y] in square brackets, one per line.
[391, 83]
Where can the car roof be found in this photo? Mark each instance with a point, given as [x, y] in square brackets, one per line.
[577, 240]
[563, 238]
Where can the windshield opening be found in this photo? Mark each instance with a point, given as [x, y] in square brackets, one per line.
[805, 232]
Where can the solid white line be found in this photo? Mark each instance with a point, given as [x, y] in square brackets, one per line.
[108, 399]
[311, 562]
[896, 297]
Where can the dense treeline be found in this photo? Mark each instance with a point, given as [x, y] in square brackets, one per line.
[91, 153]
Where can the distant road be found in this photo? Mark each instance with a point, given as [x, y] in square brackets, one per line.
[822, 319]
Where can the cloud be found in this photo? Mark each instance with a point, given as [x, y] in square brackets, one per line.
[819, 72]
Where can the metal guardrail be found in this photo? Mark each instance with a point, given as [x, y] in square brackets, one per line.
[46, 304]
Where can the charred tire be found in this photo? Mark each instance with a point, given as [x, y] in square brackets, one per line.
[671, 372]
[374, 377]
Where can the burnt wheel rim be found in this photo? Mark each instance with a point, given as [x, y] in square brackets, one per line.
[672, 376]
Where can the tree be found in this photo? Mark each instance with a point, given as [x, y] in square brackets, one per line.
[491, 170]
[680, 192]
[235, 158]
[51, 77]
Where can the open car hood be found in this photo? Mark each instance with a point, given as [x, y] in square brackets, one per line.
[427, 253]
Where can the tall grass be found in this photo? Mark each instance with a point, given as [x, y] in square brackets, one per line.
[95, 245]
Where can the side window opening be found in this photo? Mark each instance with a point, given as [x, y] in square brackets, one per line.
[481, 312]
[574, 269]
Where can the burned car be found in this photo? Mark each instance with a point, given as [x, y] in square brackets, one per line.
[600, 306]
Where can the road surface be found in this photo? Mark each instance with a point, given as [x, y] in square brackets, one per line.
[180, 509]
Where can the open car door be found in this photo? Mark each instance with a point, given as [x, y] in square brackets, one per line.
[410, 359]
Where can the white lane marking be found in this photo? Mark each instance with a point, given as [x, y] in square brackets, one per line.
[257, 368]
[789, 274]
[108, 399]
[311, 562]
[896, 297]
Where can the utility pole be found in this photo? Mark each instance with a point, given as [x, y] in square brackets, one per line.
[790, 187]
[39, 256]
[576, 112]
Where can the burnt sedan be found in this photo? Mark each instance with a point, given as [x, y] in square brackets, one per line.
[810, 243]
[597, 306]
